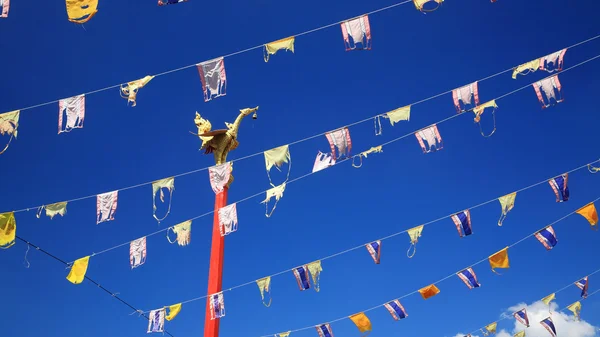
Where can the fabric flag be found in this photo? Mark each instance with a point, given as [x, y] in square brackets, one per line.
[156, 321]
[589, 213]
[429, 291]
[78, 270]
[547, 237]
[583, 284]
[277, 157]
[81, 11]
[400, 114]
[490, 329]
[106, 206]
[550, 63]
[8, 230]
[374, 149]
[419, 4]
[217, 306]
[396, 310]
[219, 176]
[432, 136]
[137, 252]
[576, 309]
[228, 221]
[507, 203]
[73, 109]
[341, 140]
[5, 4]
[549, 325]
[478, 111]
[362, 322]
[323, 161]
[9, 123]
[522, 317]
[593, 169]
[183, 232]
[130, 91]
[357, 31]
[553, 62]
[324, 330]
[551, 89]
[283, 334]
[276, 192]
[169, 2]
[468, 95]
[315, 270]
[301, 274]
[157, 186]
[59, 208]
[264, 285]
[560, 186]
[374, 248]
[213, 77]
[520, 334]
[499, 260]
[414, 234]
[462, 221]
[173, 311]
[469, 278]
[549, 299]
[283, 44]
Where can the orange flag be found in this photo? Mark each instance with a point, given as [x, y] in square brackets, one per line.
[429, 291]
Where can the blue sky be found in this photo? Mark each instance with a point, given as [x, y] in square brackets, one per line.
[318, 88]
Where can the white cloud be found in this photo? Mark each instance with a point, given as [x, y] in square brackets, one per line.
[565, 323]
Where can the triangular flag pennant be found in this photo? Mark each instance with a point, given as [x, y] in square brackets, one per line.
[549, 325]
[490, 328]
[130, 91]
[589, 213]
[264, 285]
[521, 316]
[414, 234]
[8, 230]
[576, 309]
[315, 270]
[374, 248]
[547, 237]
[520, 334]
[173, 311]
[507, 203]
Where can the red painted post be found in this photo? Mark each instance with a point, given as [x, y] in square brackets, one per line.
[215, 270]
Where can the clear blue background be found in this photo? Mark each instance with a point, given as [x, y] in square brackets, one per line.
[316, 89]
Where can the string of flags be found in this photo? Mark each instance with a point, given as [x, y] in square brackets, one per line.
[356, 35]
[522, 317]
[340, 142]
[468, 277]
[229, 222]
[304, 274]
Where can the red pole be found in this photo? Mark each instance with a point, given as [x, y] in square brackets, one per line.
[215, 270]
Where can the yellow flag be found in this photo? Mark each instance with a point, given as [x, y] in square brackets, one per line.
[78, 270]
[478, 110]
[549, 298]
[362, 322]
[507, 203]
[284, 334]
[414, 234]
[315, 270]
[576, 309]
[132, 88]
[526, 68]
[8, 230]
[273, 47]
[520, 334]
[491, 328]
[400, 114]
[173, 311]
[499, 259]
[589, 213]
[429, 291]
[264, 285]
[81, 11]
